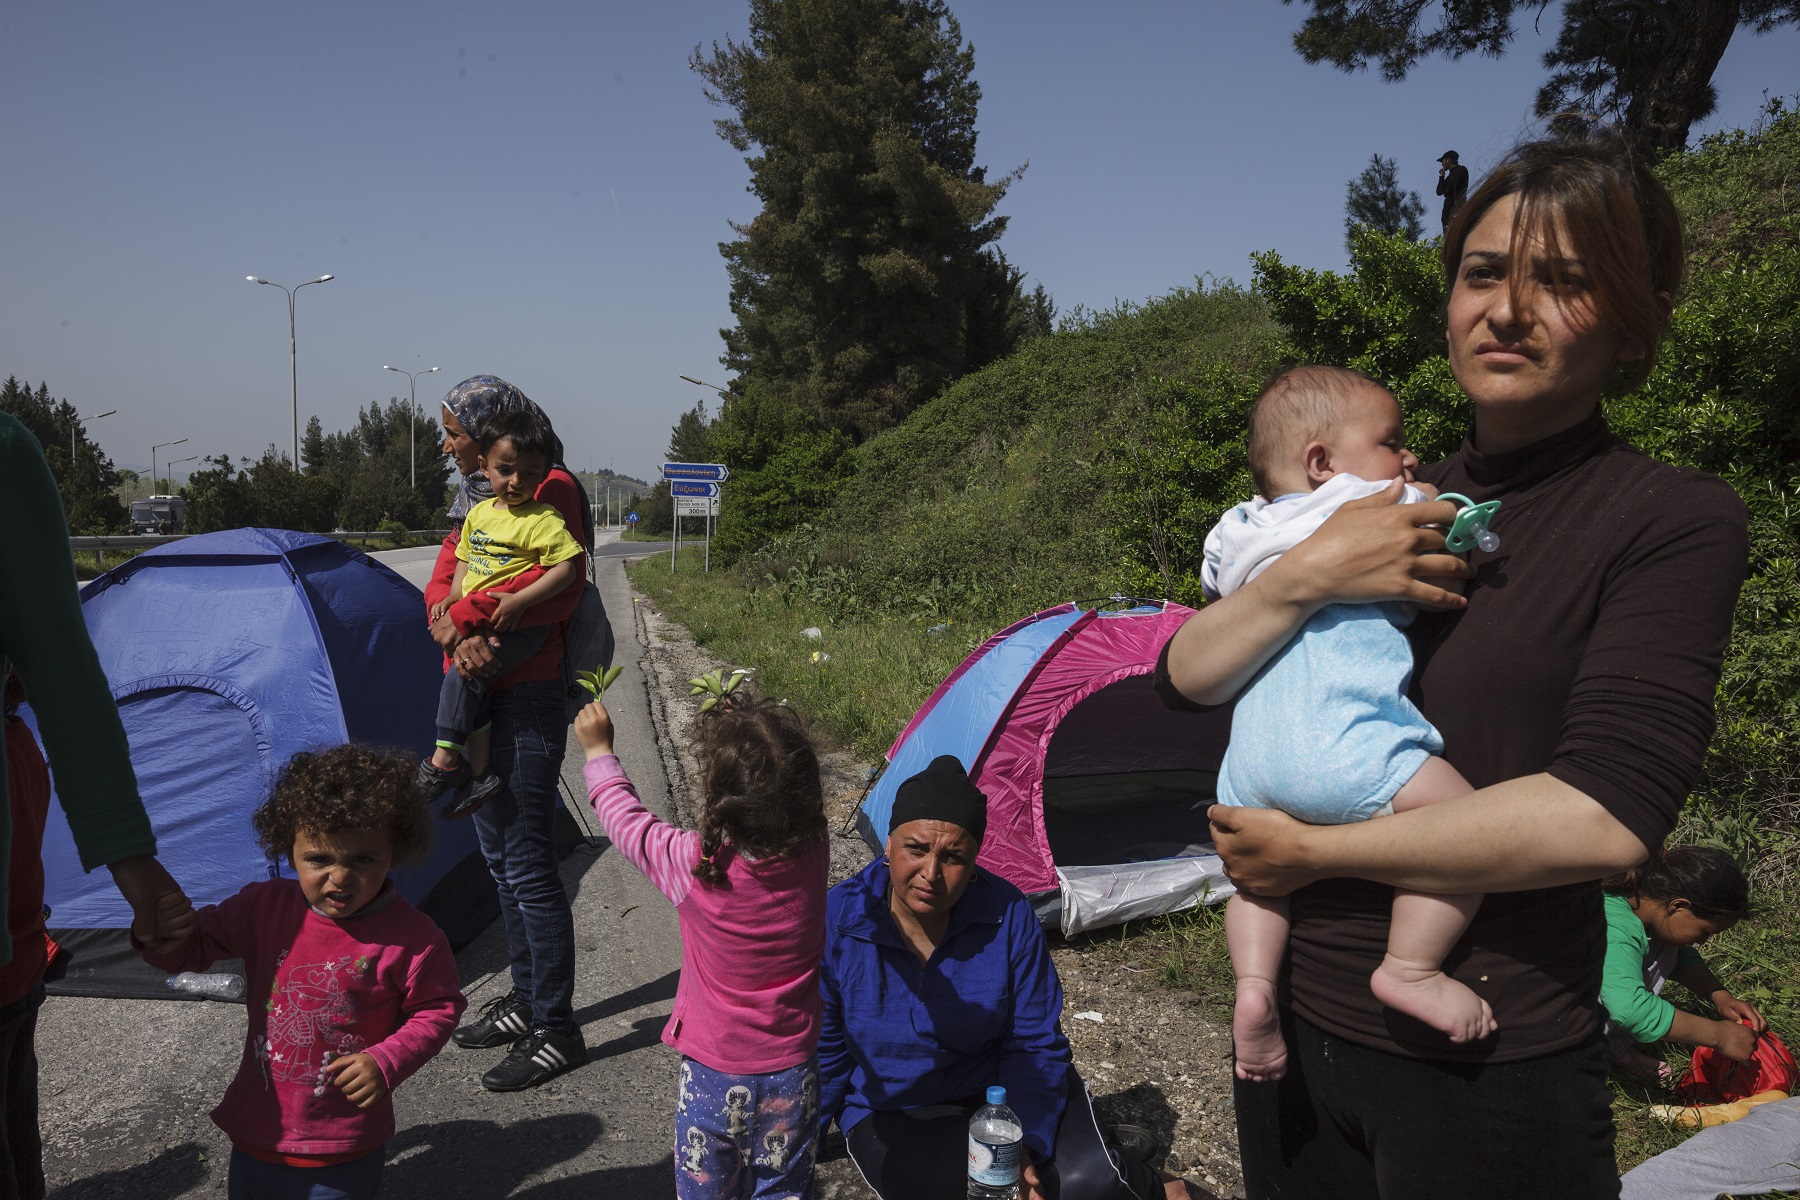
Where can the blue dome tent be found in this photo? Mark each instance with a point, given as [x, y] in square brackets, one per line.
[228, 652]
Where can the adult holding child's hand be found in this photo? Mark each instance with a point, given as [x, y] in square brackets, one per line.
[1573, 686]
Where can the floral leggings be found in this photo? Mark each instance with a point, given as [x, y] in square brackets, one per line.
[742, 1136]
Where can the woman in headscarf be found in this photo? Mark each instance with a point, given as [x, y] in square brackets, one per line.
[938, 984]
[515, 827]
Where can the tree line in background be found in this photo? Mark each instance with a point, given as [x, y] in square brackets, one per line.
[359, 478]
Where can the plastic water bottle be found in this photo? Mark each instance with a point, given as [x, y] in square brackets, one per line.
[213, 987]
[994, 1137]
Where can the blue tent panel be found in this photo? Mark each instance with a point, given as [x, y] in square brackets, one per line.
[964, 716]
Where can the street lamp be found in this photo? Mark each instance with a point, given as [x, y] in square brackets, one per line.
[172, 466]
[153, 451]
[412, 432]
[715, 387]
[79, 422]
[293, 366]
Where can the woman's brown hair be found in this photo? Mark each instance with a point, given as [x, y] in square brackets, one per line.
[761, 779]
[1620, 222]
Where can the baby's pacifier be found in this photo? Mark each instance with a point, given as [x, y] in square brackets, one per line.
[1470, 529]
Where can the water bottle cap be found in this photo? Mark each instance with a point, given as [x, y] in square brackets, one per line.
[996, 1095]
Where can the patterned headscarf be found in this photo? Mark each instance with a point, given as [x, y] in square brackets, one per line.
[474, 402]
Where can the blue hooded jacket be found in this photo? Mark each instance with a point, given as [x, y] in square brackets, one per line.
[983, 1010]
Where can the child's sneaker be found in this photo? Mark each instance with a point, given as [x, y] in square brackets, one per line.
[434, 780]
[471, 796]
[538, 1057]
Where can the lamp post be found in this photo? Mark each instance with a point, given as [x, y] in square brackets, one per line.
[79, 422]
[293, 362]
[412, 412]
[153, 451]
[172, 466]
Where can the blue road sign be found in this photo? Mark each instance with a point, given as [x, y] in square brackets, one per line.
[679, 488]
[631, 518]
[713, 472]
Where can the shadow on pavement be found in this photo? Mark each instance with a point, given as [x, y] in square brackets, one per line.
[637, 997]
[644, 1034]
[174, 1172]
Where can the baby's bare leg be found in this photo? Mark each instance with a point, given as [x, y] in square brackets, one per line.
[1256, 932]
[1423, 930]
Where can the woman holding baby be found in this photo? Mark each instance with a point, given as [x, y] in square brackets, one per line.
[1570, 673]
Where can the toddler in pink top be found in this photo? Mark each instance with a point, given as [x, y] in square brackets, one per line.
[351, 989]
[749, 889]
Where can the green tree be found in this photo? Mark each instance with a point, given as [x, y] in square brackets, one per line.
[856, 287]
[1375, 199]
[690, 440]
[1647, 64]
[86, 478]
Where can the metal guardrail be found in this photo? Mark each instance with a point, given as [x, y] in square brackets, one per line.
[143, 541]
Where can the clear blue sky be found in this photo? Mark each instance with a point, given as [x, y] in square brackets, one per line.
[535, 190]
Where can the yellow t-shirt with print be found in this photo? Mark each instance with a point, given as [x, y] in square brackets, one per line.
[501, 543]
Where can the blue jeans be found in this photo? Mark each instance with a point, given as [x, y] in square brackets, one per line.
[463, 703]
[253, 1179]
[517, 832]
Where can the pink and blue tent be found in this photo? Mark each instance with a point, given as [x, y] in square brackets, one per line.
[227, 652]
[1097, 793]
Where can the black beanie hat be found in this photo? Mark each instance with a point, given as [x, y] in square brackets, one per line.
[941, 792]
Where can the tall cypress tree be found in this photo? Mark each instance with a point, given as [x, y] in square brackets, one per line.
[865, 284]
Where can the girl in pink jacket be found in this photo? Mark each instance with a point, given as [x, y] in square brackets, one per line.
[351, 989]
[749, 888]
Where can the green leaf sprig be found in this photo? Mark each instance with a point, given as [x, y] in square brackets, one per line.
[716, 686]
[598, 679]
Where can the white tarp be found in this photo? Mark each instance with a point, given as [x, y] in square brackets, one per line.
[1110, 894]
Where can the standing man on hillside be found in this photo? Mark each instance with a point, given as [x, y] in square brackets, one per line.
[1453, 185]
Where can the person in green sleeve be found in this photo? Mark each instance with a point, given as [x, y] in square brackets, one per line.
[45, 642]
[1656, 915]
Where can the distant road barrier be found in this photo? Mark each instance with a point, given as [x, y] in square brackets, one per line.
[143, 541]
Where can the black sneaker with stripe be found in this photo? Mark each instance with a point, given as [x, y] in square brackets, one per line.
[538, 1057]
[501, 1022]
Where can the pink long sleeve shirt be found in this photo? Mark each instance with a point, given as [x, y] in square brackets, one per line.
[748, 1002]
[380, 982]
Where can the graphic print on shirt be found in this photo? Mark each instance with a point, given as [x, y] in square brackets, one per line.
[486, 555]
[311, 1009]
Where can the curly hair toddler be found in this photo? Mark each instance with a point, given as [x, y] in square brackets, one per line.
[352, 989]
[749, 888]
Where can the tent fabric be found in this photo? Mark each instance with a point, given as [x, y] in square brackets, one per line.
[1065, 695]
[227, 653]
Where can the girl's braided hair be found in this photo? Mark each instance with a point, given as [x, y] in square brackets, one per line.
[761, 782]
[1708, 879]
[344, 789]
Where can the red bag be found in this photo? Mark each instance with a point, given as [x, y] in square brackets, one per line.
[1711, 1078]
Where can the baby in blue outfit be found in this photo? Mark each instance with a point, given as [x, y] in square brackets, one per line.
[1325, 731]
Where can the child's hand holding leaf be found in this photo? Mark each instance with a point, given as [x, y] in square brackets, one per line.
[594, 730]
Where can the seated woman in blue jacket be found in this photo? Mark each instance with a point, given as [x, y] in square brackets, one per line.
[937, 984]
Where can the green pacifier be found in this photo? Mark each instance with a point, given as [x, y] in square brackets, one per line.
[1470, 530]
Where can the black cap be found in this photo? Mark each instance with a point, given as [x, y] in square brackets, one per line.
[941, 792]
[1449, 154]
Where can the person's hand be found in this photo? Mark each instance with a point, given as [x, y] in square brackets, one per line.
[359, 1077]
[1733, 1009]
[444, 631]
[475, 658]
[1375, 549]
[175, 922]
[594, 730]
[1263, 849]
[160, 910]
[441, 607]
[507, 611]
[1735, 1041]
[1031, 1187]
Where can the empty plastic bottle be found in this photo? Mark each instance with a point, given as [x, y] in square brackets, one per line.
[213, 987]
[994, 1137]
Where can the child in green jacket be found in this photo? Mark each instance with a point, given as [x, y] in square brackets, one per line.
[1656, 915]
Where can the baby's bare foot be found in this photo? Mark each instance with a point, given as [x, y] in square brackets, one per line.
[1256, 1032]
[1434, 998]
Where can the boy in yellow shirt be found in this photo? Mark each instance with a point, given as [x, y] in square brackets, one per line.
[501, 538]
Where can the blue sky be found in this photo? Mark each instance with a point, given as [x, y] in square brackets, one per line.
[535, 189]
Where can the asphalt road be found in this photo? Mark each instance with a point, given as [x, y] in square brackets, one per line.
[126, 1085]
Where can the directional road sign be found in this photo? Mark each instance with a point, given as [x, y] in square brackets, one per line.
[705, 472]
[631, 518]
[696, 506]
[679, 488]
